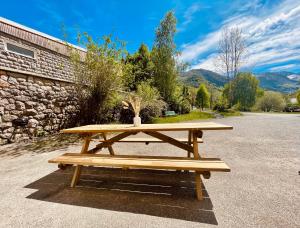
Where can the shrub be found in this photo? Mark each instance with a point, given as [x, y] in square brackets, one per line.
[270, 101]
[298, 97]
[292, 108]
[220, 107]
[151, 104]
[98, 76]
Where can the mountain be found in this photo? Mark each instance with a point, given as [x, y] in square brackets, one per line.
[285, 82]
[197, 76]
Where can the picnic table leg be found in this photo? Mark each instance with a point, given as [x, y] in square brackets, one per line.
[198, 180]
[110, 149]
[78, 168]
[189, 143]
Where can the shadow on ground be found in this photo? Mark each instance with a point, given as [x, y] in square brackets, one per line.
[39, 145]
[152, 192]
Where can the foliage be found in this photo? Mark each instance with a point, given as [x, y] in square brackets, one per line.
[230, 112]
[139, 68]
[270, 101]
[163, 57]
[98, 76]
[215, 95]
[244, 91]
[220, 107]
[202, 99]
[292, 108]
[181, 100]
[151, 104]
[298, 97]
[193, 115]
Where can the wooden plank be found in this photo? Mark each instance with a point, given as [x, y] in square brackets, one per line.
[113, 161]
[108, 142]
[190, 143]
[78, 168]
[195, 146]
[147, 127]
[139, 156]
[198, 182]
[146, 140]
[110, 149]
[76, 176]
[170, 140]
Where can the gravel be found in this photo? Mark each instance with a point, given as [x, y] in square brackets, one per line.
[262, 189]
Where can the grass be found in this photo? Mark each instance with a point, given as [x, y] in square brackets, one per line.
[231, 113]
[193, 115]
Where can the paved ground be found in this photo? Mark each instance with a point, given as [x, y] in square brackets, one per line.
[263, 189]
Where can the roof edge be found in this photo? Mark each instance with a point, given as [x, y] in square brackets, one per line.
[25, 28]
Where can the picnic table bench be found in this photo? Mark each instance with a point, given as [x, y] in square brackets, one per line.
[198, 164]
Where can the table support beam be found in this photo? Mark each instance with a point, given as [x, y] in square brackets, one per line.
[78, 168]
[169, 140]
[110, 149]
[109, 142]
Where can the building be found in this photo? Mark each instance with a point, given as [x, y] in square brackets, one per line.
[35, 82]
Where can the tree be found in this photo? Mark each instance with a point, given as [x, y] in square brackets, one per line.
[202, 99]
[231, 51]
[140, 68]
[244, 90]
[98, 76]
[163, 57]
[271, 101]
[298, 97]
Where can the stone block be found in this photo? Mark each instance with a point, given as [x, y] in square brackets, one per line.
[10, 107]
[5, 125]
[20, 105]
[40, 116]
[30, 112]
[4, 102]
[30, 104]
[22, 98]
[12, 80]
[33, 123]
[8, 117]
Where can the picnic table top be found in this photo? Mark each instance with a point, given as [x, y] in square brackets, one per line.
[100, 128]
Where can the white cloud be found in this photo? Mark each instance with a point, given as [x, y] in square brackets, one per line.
[286, 67]
[272, 38]
[188, 16]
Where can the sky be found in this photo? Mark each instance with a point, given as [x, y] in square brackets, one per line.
[270, 27]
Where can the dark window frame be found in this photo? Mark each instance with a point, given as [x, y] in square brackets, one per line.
[20, 50]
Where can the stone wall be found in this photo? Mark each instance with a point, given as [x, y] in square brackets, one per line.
[46, 63]
[47, 104]
[37, 87]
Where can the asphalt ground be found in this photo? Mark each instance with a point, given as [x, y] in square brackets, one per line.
[262, 189]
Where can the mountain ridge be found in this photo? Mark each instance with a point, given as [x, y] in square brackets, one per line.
[283, 81]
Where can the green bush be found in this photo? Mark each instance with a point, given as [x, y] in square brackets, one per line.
[220, 107]
[270, 101]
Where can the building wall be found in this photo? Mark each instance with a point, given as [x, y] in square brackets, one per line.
[39, 89]
[49, 105]
[47, 63]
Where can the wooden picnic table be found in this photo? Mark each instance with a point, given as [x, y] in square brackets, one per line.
[120, 134]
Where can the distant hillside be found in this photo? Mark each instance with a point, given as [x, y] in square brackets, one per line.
[197, 76]
[285, 82]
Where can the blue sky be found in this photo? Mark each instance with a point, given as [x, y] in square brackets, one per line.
[271, 27]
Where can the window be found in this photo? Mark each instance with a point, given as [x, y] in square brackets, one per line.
[19, 50]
